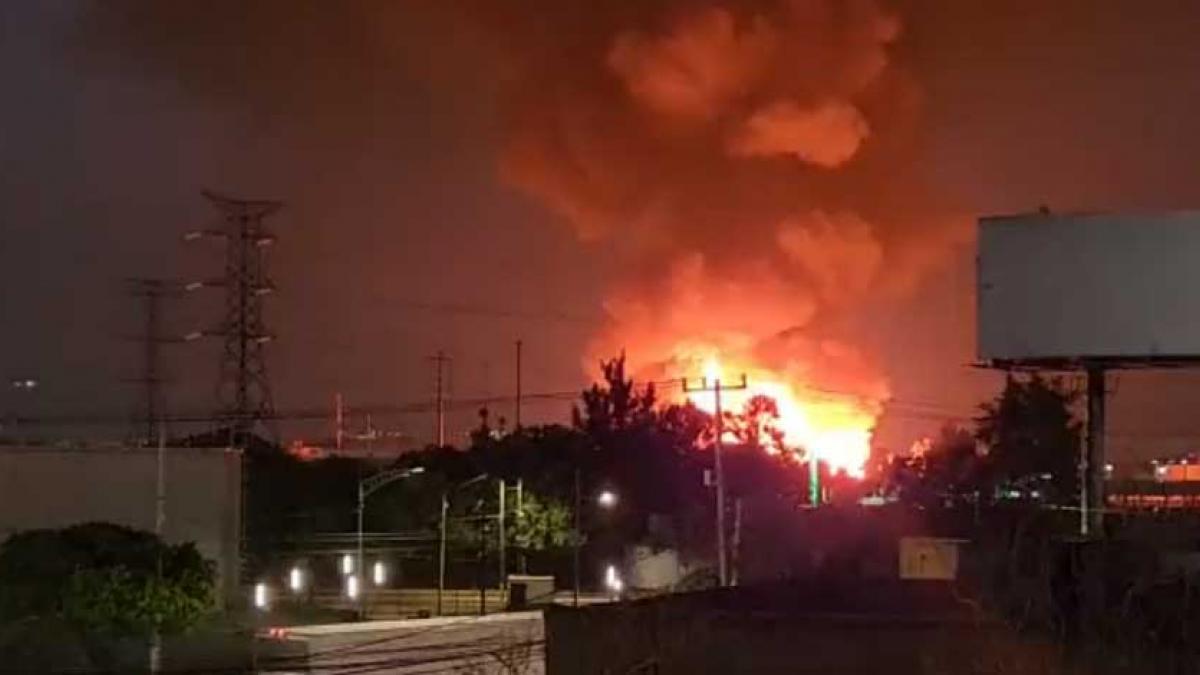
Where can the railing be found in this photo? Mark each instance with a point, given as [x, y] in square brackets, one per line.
[417, 602]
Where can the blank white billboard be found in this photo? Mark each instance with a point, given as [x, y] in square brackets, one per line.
[1089, 286]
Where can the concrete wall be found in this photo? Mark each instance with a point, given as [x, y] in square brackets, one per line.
[713, 633]
[52, 488]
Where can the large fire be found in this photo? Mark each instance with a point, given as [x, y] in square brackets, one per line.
[833, 427]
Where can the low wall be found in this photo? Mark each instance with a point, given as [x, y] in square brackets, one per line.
[894, 628]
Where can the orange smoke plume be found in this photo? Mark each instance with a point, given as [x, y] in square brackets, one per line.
[748, 167]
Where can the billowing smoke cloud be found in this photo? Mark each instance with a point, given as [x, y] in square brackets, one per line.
[747, 164]
[748, 160]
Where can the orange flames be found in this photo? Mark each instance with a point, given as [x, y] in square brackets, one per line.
[834, 428]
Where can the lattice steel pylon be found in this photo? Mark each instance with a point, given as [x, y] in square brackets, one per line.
[244, 402]
[151, 293]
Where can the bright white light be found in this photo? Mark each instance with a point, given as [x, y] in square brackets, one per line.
[260, 595]
[296, 580]
[612, 580]
[607, 499]
[352, 586]
[347, 564]
[379, 573]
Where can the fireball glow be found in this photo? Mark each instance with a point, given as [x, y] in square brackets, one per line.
[834, 428]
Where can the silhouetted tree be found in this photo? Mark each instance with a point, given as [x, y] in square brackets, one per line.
[1031, 436]
[939, 470]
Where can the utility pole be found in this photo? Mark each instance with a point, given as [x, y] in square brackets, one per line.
[439, 401]
[718, 446]
[244, 394]
[152, 292]
[517, 408]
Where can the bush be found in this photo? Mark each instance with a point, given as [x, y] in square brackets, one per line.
[106, 579]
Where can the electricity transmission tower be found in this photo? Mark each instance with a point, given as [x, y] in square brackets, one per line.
[151, 293]
[244, 401]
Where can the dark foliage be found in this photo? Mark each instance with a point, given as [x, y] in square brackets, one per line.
[104, 578]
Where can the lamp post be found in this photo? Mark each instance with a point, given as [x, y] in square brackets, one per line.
[606, 499]
[442, 535]
[366, 487]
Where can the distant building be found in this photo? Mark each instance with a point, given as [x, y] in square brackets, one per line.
[1171, 484]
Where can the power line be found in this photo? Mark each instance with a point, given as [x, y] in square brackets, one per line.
[550, 315]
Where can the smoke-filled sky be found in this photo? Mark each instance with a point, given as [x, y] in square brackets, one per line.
[797, 179]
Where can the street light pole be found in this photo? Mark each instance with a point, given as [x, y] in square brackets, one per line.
[361, 564]
[366, 487]
[442, 536]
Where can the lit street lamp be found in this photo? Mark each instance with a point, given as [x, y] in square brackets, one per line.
[296, 580]
[613, 581]
[607, 499]
[261, 601]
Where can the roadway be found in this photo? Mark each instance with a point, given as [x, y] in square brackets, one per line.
[502, 644]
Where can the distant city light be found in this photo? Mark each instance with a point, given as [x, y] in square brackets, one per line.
[347, 564]
[379, 573]
[352, 586]
[296, 580]
[607, 499]
[260, 595]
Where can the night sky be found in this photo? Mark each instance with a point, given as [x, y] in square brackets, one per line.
[389, 128]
